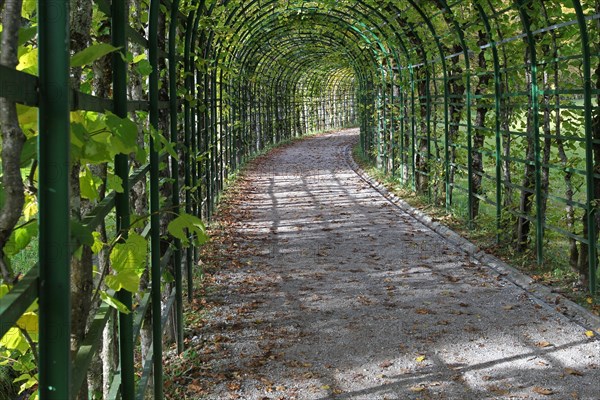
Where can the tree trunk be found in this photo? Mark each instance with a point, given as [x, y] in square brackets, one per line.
[98, 381]
[457, 91]
[422, 174]
[479, 136]
[13, 139]
[526, 199]
[81, 267]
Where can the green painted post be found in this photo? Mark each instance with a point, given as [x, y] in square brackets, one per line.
[119, 22]
[535, 108]
[187, 145]
[428, 124]
[154, 203]
[413, 128]
[54, 213]
[175, 169]
[589, 149]
[497, 94]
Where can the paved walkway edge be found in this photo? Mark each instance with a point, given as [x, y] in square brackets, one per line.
[541, 294]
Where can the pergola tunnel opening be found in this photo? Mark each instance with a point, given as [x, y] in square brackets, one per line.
[122, 122]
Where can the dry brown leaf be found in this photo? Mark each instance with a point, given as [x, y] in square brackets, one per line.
[543, 344]
[544, 391]
[417, 389]
[497, 390]
[571, 371]
[386, 364]
[423, 311]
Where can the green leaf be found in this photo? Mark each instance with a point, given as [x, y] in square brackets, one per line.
[144, 68]
[23, 377]
[139, 58]
[29, 151]
[115, 183]
[30, 323]
[91, 54]
[98, 244]
[127, 279]
[186, 222]
[124, 134]
[114, 303]
[13, 340]
[27, 33]
[20, 238]
[81, 233]
[89, 184]
[130, 255]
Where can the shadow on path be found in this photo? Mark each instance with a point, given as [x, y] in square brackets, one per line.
[344, 296]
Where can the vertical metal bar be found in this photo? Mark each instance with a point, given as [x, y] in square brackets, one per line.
[175, 169]
[119, 39]
[535, 107]
[187, 147]
[428, 124]
[54, 215]
[154, 203]
[413, 128]
[589, 148]
[497, 94]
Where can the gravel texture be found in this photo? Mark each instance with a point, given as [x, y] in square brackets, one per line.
[344, 292]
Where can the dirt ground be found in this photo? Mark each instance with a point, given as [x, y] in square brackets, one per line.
[330, 291]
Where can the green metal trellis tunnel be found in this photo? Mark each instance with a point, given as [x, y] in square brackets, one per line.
[123, 120]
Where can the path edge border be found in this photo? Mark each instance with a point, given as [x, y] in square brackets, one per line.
[540, 294]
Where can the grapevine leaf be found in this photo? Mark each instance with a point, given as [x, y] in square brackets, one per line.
[13, 340]
[113, 302]
[128, 279]
[98, 244]
[20, 239]
[124, 134]
[130, 255]
[81, 233]
[144, 68]
[115, 183]
[30, 323]
[29, 151]
[177, 228]
[89, 183]
[91, 54]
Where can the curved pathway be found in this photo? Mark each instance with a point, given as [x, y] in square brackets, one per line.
[340, 294]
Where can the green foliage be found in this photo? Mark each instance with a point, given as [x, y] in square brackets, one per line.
[15, 347]
[128, 261]
[92, 53]
[186, 223]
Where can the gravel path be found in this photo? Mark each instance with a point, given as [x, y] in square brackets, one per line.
[343, 295]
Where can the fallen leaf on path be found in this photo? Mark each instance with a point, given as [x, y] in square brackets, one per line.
[417, 389]
[544, 391]
[497, 390]
[543, 344]
[386, 364]
[574, 372]
[423, 311]
[589, 334]
[420, 358]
